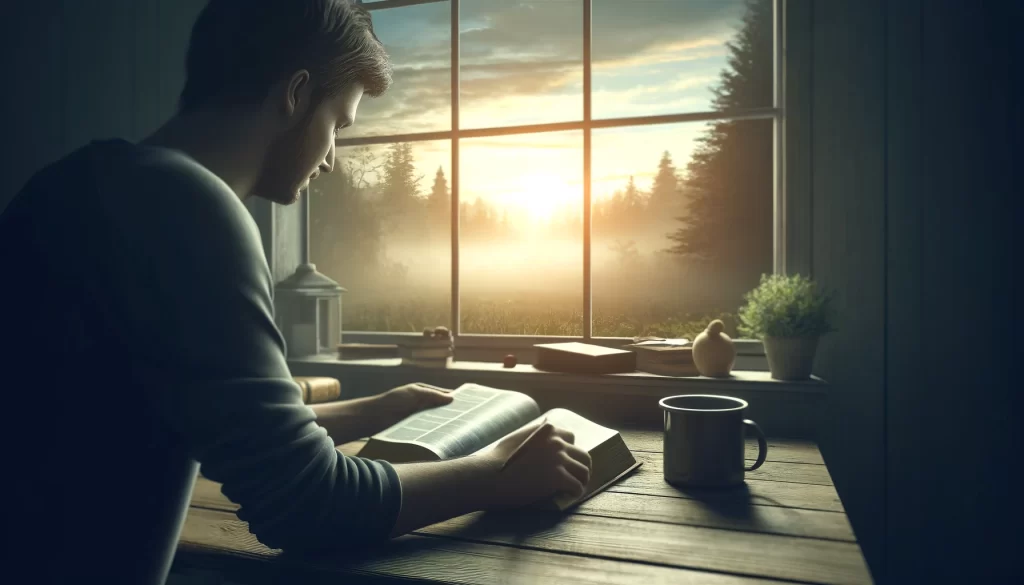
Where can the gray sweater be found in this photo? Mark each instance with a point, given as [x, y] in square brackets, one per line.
[140, 346]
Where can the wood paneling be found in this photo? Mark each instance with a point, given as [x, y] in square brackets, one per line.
[99, 96]
[31, 105]
[87, 71]
[848, 185]
[954, 186]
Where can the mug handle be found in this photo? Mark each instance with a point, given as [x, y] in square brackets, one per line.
[762, 444]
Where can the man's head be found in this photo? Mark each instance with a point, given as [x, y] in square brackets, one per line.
[301, 65]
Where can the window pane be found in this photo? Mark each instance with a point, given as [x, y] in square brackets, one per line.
[674, 55]
[682, 224]
[380, 227]
[521, 63]
[521, 235]
[418, 39]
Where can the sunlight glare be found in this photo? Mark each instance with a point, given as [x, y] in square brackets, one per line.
[542, 193]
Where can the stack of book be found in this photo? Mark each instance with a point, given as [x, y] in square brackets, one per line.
[665, 357]
[433, 350]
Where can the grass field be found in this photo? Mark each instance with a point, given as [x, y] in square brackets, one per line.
[540, 317]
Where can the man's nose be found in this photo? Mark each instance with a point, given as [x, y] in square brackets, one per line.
[328, 163]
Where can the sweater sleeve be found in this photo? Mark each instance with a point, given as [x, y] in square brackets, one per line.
[191, 288]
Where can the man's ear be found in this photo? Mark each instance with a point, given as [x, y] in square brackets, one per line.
[295, 97]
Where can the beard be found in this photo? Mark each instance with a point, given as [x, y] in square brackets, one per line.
[284, 174]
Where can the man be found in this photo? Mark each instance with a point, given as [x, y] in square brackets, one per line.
[138, 275]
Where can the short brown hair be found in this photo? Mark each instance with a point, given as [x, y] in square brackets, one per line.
[240, 48]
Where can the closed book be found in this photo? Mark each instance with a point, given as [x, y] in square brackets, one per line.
[583, 358]
[427, 363]
[665, 360]
[425, 342]
[425, 353]
[668, 369]
[317, 389]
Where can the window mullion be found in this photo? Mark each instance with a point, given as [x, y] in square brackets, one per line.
[588, 308]
[779, 137]
[455, 320]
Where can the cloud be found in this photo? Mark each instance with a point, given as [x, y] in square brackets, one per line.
[670, 52]
[522, 59]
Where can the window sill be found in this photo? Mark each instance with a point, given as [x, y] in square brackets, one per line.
[636, 383]
[492, 348]
[782, 408]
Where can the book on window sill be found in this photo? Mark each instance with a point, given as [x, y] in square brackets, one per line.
[479, 417]
[317, 389]
[678, 370]
[583, 358]
[665, 360]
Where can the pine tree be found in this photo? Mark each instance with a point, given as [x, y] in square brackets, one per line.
[399, 194]
[665, 191]
[400, 184]
[439, 204]
[345, 241]
[729, 179]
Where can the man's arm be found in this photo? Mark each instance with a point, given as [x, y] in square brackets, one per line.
[192, 281]
[184, 280]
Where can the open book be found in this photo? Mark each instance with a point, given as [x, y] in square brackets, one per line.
[479, 417]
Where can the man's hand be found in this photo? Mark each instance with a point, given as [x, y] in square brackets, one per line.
[548, 463]
[394, 405]
[349, 420]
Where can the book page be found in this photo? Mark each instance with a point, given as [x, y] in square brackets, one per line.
[477, 416]
[588, 434]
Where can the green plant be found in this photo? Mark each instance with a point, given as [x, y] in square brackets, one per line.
[786, 306]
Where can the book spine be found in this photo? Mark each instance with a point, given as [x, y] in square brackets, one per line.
[318, 389]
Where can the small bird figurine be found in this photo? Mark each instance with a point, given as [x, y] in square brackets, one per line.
[713, 351]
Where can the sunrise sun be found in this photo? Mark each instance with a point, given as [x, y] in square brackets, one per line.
[541, 194]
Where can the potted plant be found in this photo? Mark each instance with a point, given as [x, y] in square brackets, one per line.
[789, 314]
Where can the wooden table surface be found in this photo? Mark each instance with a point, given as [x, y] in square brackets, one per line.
[786, 523]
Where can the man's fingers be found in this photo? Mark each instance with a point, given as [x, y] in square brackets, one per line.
[580, 455]
[568, 483]
[433, 395]
[432, 387]
[578, 470]
[438, 397]
[565, 435]
[520, 436]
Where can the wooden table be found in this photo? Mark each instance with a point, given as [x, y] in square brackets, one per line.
[787, 523]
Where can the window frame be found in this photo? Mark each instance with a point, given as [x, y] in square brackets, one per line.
[792, 181]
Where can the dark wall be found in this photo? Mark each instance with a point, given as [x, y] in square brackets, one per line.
[954, 152]
[916, 181]
[83, 70]
[76, 71]
[847, 110]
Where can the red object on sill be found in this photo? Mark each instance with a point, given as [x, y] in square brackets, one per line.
[509, 361]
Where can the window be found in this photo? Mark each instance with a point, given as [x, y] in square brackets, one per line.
[579, 168]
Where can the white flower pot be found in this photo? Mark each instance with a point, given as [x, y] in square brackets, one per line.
[790, 358]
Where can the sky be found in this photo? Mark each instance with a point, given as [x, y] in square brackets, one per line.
[521, 63]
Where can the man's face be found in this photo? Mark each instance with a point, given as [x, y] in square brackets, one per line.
[301, 153]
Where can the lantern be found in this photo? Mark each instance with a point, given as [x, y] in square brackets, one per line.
[308, 306]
